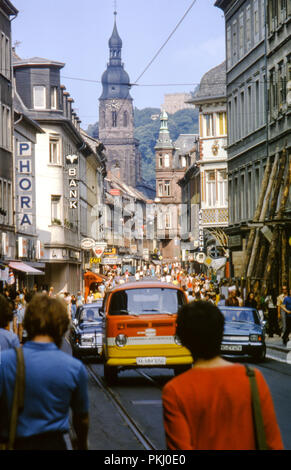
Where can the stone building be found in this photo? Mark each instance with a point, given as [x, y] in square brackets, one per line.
[258, 109]
[174, 102]
[172, 160]
[7, 222]
[204, 185]
[116, 123]
[246, 115]
[67, 173]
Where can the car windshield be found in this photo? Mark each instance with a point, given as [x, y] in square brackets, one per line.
[89, 315]
[146, 301]
[241, 315]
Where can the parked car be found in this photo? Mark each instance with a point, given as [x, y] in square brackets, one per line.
[86, 336]
[244, 333]
[140, 328]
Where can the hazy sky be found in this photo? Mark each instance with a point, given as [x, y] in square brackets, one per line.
[77, 33]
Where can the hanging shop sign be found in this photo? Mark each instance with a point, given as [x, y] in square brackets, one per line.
[99, 248]
[87, 243]
[73, 182]
[201, 234]
[24, 186]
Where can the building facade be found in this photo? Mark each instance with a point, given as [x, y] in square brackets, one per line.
[257, 57]
[246, 114]
[116, 123]
[174, 102]
[67, 173]
[172, 160]
[205, 183]
[7, 221]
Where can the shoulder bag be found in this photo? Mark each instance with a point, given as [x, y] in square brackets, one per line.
[260, 437]
[18, 399]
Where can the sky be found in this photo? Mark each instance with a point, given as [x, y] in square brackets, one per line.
[77, 34]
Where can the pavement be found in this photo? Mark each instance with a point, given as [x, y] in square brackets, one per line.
[277, 351]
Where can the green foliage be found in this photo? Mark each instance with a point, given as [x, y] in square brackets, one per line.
[147, 126]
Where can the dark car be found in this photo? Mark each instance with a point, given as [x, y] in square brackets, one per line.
[244, 333]
[86, 336]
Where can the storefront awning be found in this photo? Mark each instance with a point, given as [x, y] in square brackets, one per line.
[25, 268]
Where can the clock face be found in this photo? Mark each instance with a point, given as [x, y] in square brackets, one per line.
[113, 105]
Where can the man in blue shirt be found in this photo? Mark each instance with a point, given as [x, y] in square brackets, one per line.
[8, 339]
[286, 306]
[54, 382]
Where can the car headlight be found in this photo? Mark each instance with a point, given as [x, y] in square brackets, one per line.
[255, 338]
[121, 340]
[177, 340]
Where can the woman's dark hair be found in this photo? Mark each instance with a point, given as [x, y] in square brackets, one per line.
[6, 312]
[200, 328]
[46, 316]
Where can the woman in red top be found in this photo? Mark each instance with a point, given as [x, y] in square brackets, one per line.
[209, 406]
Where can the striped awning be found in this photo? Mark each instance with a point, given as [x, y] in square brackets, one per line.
[25, 268]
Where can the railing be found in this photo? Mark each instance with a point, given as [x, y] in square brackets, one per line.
[216, 216]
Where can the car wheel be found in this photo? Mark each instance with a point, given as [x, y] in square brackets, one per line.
[110, 374]
[260, 356]
[75, 354]
[180, 369]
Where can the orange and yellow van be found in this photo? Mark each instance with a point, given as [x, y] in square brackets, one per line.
[140, 328]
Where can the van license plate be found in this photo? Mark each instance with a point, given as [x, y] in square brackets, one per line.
[151, 361]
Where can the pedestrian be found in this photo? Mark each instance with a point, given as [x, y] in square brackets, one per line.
[250, 301]
[221, 302]
[8, 339]
[54, 382]
[73, 306]
[191, 298]
[281, 311]
[273, 325]
[209, 406]
[232, 300]
[20, 311]
[286, 306]
[51, 292]
[80, 300]
[90, 298]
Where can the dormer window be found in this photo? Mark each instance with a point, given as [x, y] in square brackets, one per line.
[39, 97]
[54, 97]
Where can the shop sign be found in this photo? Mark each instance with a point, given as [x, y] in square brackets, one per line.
[87, 243]
[234, 241]
[99, 248]
[73, 185]
[201, 234]
[95, 260]
[24, 184]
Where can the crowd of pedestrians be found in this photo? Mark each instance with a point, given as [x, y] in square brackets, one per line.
[55, 383]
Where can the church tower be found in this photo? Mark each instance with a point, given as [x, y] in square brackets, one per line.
[116, 123]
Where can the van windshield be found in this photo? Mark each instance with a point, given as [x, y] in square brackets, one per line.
[146, 301]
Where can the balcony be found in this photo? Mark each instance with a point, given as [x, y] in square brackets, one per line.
[216, 217]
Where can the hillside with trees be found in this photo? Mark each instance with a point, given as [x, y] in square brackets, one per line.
[147, 126]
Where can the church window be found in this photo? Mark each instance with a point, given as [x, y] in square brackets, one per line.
[125, 119]
[167, 160]
[167, 188]
[114, 119]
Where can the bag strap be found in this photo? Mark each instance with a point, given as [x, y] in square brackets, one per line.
[18, 396]
[260, 436]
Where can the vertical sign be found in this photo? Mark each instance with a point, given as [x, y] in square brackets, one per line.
[24, 186]
[73, 186]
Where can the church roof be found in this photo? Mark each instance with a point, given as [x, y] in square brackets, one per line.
[115, 80]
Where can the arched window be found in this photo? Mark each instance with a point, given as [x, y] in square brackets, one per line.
[114, 119]
[125, 119]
